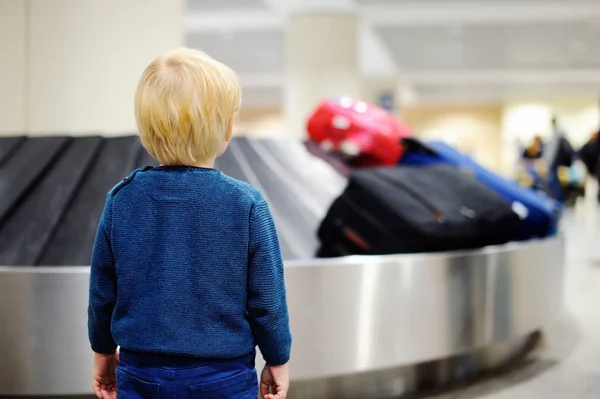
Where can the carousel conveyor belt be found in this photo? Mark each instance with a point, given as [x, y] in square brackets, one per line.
[53, 191]
[363, 327]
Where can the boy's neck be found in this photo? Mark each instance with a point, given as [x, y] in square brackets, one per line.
[209, 164]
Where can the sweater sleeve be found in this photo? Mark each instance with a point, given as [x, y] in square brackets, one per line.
[103, 287]
[267, 304]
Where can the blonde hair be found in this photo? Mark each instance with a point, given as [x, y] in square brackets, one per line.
[184, 105]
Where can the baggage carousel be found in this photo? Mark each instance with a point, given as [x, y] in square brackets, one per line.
[364, 327]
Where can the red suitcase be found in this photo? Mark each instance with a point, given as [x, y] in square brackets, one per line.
[367, 134]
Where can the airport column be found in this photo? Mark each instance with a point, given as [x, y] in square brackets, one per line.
[85, 57]
[13, 76]
[321, 60]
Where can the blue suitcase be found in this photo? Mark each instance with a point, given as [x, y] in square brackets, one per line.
[539, 214]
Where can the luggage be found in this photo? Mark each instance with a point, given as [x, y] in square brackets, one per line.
[414, 209]
[539, 214]
[366, 134]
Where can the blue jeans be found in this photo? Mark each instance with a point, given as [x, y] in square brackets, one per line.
[147, 376]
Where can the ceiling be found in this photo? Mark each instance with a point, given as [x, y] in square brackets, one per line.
[395, 2]
[248, 52]
[434, 45]
[538, 45]
[205, 5]
[261, 97]
[209, 5]
[490, 92]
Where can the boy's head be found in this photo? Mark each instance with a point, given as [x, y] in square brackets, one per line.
[185, 105]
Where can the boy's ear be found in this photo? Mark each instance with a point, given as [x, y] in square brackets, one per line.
[229, 132]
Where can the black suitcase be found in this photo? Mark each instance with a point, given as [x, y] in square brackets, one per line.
[412, 210]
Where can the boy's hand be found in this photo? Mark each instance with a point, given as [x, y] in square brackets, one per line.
[274, 382]
[104, 377]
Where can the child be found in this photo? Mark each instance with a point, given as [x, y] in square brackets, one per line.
[186, 273]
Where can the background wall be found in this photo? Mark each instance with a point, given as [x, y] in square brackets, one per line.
[474, 129]
[267, 122]
[72, 66]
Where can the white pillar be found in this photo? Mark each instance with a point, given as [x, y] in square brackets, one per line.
[13, 71]
[82, 61]
[321, 60]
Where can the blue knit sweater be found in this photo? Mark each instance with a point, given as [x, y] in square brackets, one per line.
[187, 262]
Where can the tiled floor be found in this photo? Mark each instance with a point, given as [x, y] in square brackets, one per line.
[567, 366]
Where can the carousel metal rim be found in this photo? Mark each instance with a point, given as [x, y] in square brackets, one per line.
[361, 259]
[340, 261]
[440, 305]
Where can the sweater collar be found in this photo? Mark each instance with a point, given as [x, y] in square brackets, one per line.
[182, 168]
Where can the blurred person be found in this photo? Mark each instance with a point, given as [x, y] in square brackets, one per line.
[598, 161]
[553, 143]
[558, 153]
[534, 170]
[589, 154]
[535, 150]
[186, 273]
